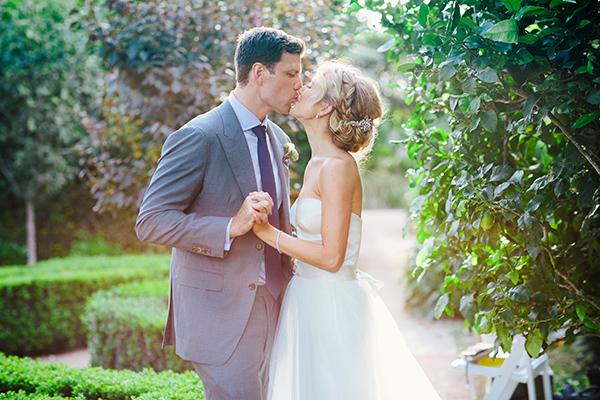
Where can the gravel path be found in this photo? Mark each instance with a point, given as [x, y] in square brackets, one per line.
[384, 254]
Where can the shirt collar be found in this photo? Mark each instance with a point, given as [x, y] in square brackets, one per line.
[245, 116]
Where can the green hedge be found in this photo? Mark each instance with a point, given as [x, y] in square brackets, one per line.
[22, 395]
[41, 305]
[23, 378]
[126, 326]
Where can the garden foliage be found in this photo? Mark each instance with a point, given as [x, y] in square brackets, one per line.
[47, 79]
[41, 306]
[170, 61]
[126, 325]
[509, 196]
[23, 378]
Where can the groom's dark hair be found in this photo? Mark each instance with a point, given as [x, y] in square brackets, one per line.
[265, 46]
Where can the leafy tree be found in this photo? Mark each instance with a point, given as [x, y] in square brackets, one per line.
[45, 78]
[509, 195]
[170, 61]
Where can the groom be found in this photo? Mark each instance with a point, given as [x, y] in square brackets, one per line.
[225, 283]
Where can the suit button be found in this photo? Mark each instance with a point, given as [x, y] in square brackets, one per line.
[259, 246]
[252, 286]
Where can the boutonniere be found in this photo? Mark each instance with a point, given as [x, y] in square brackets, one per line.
[289, 153]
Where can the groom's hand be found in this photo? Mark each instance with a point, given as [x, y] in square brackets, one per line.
[255, 208]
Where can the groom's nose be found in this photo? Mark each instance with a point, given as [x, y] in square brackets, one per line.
[298, 83]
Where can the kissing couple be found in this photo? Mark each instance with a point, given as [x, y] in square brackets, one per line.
[263, 313]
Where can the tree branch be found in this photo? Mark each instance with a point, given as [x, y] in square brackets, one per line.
[570, 285]
[578, 145]
[566, 132]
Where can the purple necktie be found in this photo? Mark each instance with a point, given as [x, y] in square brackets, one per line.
[272, 256]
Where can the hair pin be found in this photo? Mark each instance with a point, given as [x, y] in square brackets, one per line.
[365, 124]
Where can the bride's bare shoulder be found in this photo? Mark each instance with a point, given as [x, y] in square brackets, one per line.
[339, 168]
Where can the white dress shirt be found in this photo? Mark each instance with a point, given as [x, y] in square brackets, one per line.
[248, 121]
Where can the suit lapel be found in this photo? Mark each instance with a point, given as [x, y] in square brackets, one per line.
[277, 143]
[236, 149]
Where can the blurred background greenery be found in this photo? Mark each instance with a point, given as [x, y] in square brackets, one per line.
[112, 79]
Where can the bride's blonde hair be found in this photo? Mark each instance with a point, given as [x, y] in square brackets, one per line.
[357, 106]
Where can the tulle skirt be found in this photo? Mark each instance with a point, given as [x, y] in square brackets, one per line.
[337, 340]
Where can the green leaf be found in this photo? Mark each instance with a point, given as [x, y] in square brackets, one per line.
[562, 185]
[534, 243]
[513, 276]
[594, 97]
[512, 5]
[423, 14]
[525, 222]
[406, 67]
[504, 31]
[488, 75]
[386, 46]
[440, 305]
[531, 101]
[447, 72]
[467, 308]
[529, 10]
[474, 123]
[536, 202]
[474, 106]
[489, 120]
[504, 336]
[588, 220]
[555, 3]
[455, 18]
[469, 86]
[581, 309]
[519, 294]
[586, 119]
[528, 39]
[507, 316]
[501, 173]
[523, 56]
[534, 343]
[518, 178]
[501, 188]
[591, 324]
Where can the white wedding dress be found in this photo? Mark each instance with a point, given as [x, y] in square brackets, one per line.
[336, 339]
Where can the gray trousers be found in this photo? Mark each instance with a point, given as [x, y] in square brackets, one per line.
[245, 376]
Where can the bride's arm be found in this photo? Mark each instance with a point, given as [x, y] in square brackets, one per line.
[337, 185]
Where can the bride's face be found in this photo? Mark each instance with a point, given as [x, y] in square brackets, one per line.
[307, 103]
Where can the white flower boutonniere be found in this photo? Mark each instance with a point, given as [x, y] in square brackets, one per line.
[289, 153]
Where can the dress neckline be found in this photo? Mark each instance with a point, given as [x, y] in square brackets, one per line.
[298, 201]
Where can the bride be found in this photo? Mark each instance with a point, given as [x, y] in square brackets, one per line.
[336, 339]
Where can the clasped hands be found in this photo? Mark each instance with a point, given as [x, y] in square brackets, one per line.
[253, 214]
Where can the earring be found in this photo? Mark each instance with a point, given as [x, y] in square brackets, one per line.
[317, 117]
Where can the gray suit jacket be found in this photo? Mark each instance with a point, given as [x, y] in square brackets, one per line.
[203, 175]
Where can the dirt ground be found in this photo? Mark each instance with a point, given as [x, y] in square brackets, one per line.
[434, 344]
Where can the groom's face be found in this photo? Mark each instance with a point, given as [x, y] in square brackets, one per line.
[281, 88]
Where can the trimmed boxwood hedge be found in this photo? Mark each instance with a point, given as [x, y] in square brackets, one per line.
[126, 326]
[23, 378]
[41, 305]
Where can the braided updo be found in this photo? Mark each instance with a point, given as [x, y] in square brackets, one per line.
[356, 105]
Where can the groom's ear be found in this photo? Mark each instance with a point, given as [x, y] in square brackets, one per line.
[258, 73]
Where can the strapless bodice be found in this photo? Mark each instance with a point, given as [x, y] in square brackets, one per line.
[306, 218]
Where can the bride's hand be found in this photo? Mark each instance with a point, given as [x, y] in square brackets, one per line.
[263, 204]
[260, 228]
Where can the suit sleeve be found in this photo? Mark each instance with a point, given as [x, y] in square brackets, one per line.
[177, 181]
